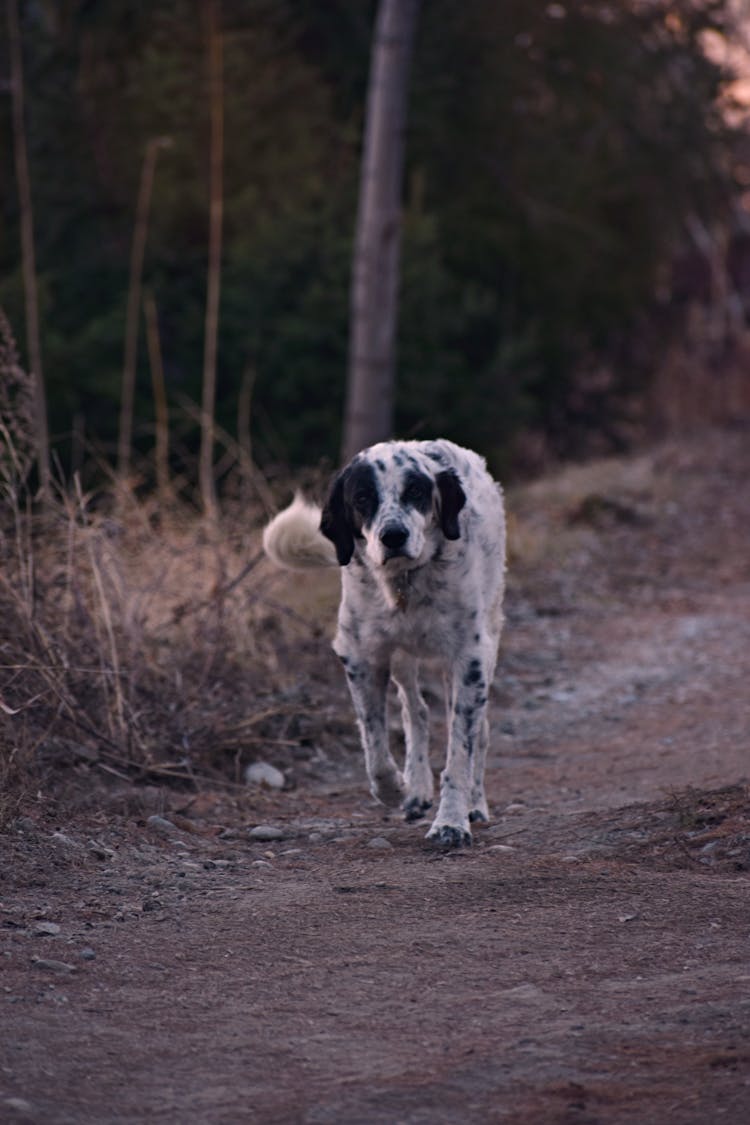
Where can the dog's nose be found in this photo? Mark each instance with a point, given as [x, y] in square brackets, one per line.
[394, 536]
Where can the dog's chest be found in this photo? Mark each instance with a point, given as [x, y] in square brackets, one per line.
[418, 611]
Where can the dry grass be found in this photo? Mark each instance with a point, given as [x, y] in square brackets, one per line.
[136, 640]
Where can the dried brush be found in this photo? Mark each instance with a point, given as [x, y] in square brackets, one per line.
[17, 441]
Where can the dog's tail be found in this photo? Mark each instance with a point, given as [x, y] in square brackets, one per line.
[293, 538]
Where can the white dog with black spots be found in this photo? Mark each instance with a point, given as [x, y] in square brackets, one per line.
[418, 528]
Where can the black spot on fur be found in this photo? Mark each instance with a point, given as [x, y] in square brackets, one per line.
[361, 494]
[452, 500]
[473, 673]
[436, 453]
[352, 502]
[415, 808]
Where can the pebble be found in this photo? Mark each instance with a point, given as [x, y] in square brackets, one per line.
[266, 832]
[65, 841]
[53, 966]
[516, 807]
[161, 825]
[100, 850]
[262, 863]
[500, 848]
[45, 929]
[379, 842]
[17, 1105]
[87, 954]
[264, 774]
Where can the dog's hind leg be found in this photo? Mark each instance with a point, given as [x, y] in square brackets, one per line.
[478, 809]
[415, 717]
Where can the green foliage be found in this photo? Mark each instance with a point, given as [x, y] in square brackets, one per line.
[561, 148]
[554, 153]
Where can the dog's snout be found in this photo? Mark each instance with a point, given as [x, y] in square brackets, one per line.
[394, 536]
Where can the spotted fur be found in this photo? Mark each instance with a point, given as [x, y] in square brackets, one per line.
[418, 529]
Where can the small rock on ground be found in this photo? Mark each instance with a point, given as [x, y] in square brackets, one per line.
[266, 832]
[46, 929]
[53, 966]
[161, 825]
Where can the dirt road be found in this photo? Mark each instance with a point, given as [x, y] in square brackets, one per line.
[587, 961]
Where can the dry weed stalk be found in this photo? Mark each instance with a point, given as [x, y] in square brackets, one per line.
[107, 643]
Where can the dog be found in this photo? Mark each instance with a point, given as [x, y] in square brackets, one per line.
[418, 529]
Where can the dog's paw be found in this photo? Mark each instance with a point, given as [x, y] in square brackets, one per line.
[449, 836]
[388, 788]
[480, 813]
[415, 808]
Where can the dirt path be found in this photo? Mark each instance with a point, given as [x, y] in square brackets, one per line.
[587, 961]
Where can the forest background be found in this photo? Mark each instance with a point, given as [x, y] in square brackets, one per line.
[576, 187]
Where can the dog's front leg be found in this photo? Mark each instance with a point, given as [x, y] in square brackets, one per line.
[466, 750]
[368, 685]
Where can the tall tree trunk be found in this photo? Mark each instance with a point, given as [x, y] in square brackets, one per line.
[27, 249]
[216, 159]
[375, 269]
[127, 393]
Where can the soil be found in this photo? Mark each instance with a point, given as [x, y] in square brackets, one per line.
[587, 960]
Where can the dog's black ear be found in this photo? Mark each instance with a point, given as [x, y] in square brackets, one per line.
[335, 522]
[452, 500]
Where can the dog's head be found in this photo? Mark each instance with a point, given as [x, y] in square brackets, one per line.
[399, 501]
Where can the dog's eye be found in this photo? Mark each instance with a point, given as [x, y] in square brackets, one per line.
[364, 504]
[418, 493]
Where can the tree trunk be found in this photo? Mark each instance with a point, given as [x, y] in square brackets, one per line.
[27, 250]
[375, 268]
[127, 393]
[216, 159]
